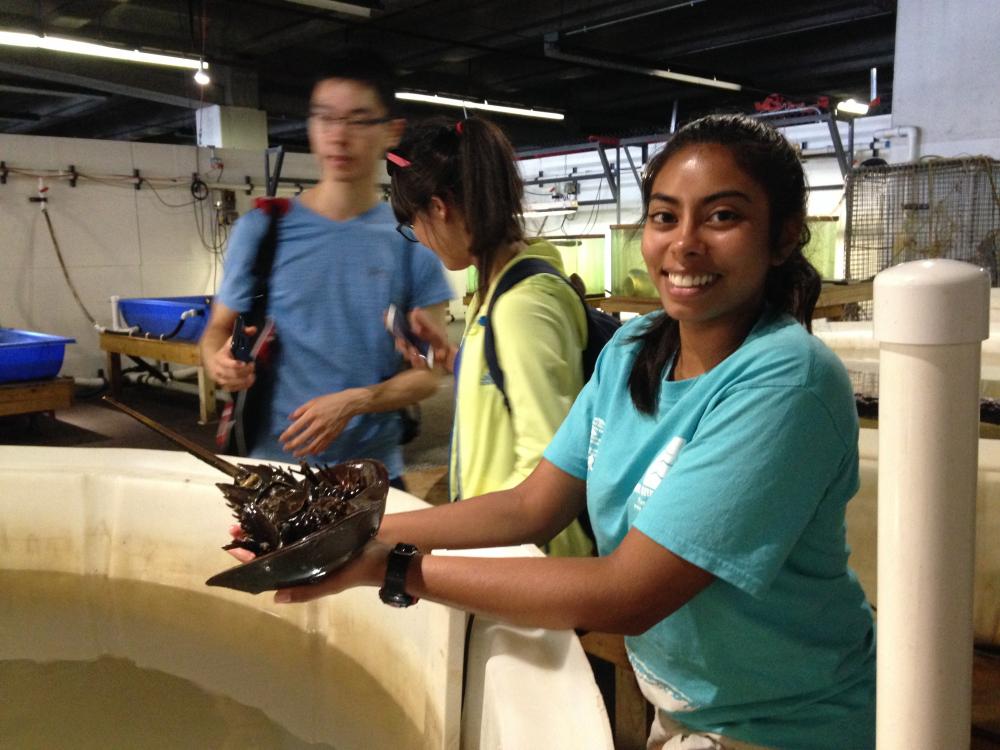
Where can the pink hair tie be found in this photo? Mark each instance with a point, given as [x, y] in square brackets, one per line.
[398, 160]
[458, 127]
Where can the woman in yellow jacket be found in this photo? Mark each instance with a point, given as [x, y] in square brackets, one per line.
[456, 189]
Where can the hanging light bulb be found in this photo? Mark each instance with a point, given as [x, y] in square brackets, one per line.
[200, 76]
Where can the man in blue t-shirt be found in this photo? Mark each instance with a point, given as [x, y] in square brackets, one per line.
[338, 265]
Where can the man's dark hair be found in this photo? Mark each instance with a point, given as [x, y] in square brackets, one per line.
[363, 66]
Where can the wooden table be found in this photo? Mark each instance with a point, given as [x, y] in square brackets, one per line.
[36, 395]
[632, 713]
[181, 352]
[833, 300]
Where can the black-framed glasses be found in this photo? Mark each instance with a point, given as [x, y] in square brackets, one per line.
[406, 229]
[351, 123]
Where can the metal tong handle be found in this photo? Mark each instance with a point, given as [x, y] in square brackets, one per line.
[193, 448]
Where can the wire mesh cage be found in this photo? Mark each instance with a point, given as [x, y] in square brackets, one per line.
[939, 208]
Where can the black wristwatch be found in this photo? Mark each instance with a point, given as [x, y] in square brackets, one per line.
[393, 592]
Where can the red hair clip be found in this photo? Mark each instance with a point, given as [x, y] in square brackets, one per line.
[396, 159]
[458, 127]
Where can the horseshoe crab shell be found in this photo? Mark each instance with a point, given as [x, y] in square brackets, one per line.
[323, 551]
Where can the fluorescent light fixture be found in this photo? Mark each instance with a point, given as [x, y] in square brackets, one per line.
[552, 208]
[349, 9]
[446, 101]
[851, 107]
[201, 77]
[697, 80]
[58, 44]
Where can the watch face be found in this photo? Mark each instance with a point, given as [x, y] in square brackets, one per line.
[395, 598]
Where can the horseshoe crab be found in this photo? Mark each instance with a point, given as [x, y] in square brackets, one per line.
[301, 525]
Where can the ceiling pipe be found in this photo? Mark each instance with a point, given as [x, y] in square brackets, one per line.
[633, 17]
[553, 51]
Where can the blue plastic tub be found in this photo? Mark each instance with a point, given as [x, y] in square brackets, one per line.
[160, 316]
[26, 355]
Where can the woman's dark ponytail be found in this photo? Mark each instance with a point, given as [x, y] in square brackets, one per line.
[471, 165]
[492, 195]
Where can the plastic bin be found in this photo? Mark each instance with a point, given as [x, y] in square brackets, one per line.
[583, 254]
[822, 248]
[629, 277]
[159, 316]
[26, 355]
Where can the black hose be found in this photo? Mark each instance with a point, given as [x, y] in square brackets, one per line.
[62, 264]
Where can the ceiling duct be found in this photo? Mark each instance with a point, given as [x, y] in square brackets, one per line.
[553, 51]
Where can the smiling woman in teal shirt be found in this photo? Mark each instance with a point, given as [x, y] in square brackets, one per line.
[715, 450]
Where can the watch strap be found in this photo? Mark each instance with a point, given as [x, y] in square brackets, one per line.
[393, 591]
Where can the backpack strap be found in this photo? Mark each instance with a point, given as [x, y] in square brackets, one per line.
[274, 208]
[517, 273]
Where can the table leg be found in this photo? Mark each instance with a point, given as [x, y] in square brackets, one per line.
[206, 397]
[115, 373]
[631, 712]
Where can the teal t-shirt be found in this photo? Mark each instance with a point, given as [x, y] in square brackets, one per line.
[745, 471]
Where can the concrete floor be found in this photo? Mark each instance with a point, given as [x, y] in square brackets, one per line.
[90, 423]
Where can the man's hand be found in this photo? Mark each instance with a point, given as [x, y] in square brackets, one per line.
[319, 421]
[428, 329]
[229, 372]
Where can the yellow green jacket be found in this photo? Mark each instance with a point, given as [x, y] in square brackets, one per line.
[540, 331]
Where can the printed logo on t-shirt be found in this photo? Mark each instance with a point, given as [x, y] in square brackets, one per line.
[660, 693]
[657, 470]
[596, 433]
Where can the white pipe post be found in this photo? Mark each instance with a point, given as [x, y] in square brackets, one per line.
[116, 315]
[931, 317]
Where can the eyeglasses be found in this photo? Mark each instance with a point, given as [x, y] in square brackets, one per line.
[351, 123]
[406, 229]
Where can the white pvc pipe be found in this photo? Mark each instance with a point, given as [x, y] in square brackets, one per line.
[910, 133]
[169, 384]
[930, 319]
[116, 315]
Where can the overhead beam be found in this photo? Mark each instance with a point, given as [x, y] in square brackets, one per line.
[12, 89]
[489, 40]
[291, 36]
[56, 117]
[19, 116]
[97, 84]
[751, 33]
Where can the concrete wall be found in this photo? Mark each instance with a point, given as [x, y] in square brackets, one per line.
[945, 81]
[115, 240]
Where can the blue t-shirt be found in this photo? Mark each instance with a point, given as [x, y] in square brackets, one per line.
[330, 285]
[745, 471]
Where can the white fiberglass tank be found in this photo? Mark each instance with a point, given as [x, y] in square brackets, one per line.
[81, 518]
